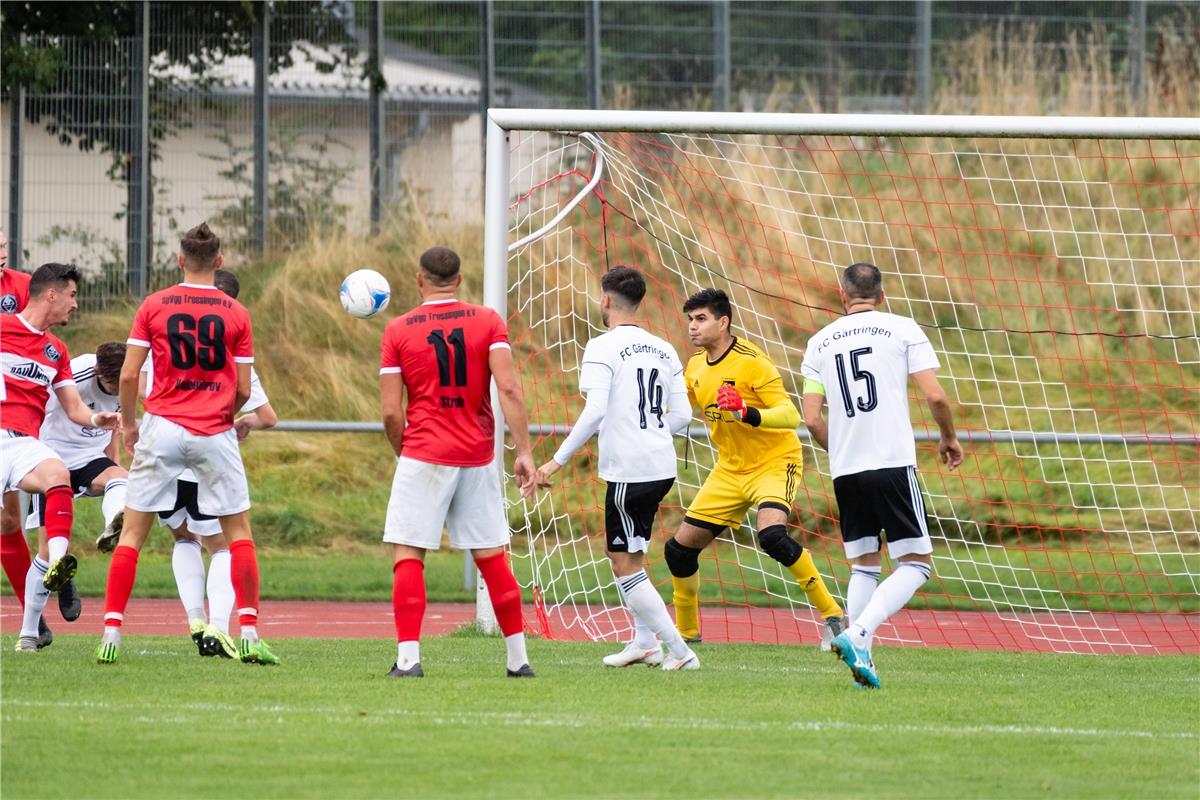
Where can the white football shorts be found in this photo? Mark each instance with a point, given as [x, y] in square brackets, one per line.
[427, 497]
[19, 456]
[165, 449]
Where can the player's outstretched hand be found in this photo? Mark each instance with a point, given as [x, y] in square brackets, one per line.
[106, 420]
[544, 472]
[951, 452]
[525, 474]
[730, 399]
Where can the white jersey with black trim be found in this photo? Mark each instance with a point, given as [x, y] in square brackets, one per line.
[257, 399]
[75, 444]
[863, 361]
[641, 374]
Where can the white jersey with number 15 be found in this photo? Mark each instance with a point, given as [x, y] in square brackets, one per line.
[863, 361]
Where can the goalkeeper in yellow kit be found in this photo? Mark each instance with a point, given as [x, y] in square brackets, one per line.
[752, 422]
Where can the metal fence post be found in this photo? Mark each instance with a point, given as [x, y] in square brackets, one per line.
[16, 127]
[487, 98]
[262, 109]
[1136, 54]
[137, 224]
[375, 114]
[924, 55]
[721, 66]
[827, 33]
[591, 32]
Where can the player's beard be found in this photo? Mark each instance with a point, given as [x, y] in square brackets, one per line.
[604, 316]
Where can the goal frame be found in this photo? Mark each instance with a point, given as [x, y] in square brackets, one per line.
[500, 121]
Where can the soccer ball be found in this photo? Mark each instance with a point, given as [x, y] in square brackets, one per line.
[365, 293]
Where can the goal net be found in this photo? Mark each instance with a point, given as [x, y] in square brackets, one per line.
[1055, 275]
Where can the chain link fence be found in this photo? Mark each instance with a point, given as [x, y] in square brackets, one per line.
[300, 116]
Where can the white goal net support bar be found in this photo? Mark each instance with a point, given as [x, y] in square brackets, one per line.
[1054, 264]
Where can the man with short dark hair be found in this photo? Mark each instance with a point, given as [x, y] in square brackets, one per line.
[33, 363]
[443, 355]
[752, 422]
[862, 361]
[625, 375]
[203, 345]
[195, 532]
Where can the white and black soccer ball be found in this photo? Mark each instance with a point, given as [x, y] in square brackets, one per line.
[365, 293]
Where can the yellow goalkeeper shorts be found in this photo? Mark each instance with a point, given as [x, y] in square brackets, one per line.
[726, 496]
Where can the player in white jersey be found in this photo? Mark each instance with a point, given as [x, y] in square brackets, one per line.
[860, 365]
[636, 399]
[195, 532]
[89, 453]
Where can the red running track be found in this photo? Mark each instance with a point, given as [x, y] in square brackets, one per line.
[1169, 634]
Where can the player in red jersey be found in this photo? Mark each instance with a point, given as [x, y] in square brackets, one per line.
[203, 346]
[443, 354]
[14, 549]
[34, 361]
[14, 284]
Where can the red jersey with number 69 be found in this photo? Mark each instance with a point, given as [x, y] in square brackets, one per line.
[440, 349]
[32, 363]
[197, 335]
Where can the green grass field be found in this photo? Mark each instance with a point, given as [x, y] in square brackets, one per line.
[755, 721]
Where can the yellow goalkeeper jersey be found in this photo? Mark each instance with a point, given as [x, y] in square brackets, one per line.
[741, 447]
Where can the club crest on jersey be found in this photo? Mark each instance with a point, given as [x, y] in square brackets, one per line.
[8, 304]
[51, 352]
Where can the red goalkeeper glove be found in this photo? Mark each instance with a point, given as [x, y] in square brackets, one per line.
[730, 399]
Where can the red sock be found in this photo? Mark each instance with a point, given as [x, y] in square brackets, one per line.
[408, 598]
[503, 590]
[243, 572]
[14, 557]
[122, 572]
[60, 511]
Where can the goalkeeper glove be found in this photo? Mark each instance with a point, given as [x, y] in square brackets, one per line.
[731, 400]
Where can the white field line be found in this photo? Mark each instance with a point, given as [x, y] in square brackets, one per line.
[179, 713]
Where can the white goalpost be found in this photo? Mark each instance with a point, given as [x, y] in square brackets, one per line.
[1054, 264]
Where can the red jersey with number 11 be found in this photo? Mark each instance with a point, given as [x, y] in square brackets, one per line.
[441, 350]
[197, 335]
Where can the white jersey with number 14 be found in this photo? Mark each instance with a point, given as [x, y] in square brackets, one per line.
[641, 372]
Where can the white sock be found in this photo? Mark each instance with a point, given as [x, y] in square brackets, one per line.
[250, 633]
[113, 501]
[36, 595]
[863, 581]
[188, 565]
[643, 636]
[57, 547]
[407, 654]
[515, 645]
[647, 604]
[220, 591]
[889, 598]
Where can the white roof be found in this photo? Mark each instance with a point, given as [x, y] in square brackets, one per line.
[404, 78]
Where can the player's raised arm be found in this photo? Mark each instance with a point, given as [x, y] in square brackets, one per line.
[813, 402]
[949, 449]
[78, 412]
[777, 409]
